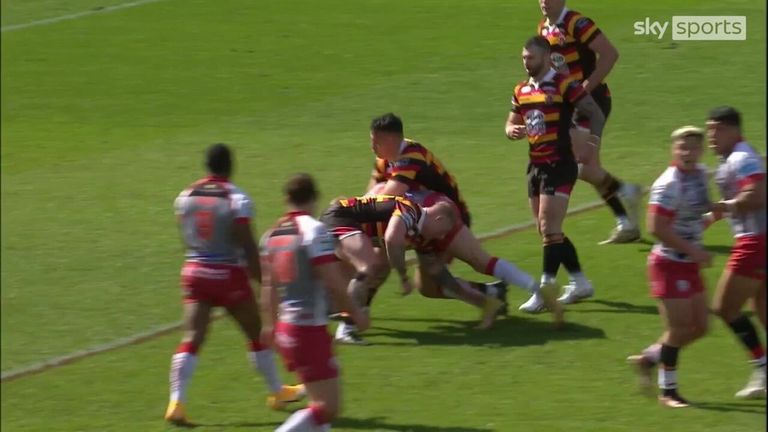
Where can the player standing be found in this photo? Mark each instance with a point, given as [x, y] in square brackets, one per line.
[215, 216]
[300, 271]
[740, 177]
[580, 50]
[542, 108]
[676, 208]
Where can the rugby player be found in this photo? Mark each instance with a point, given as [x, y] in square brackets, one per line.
[405, 167]
[678, 201]
[214, 217]
[581, 51]
[542, 108]
[300, 271]
[740, 176]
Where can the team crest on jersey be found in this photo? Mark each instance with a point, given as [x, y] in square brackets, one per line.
[525, 89]
[682, 285]
[534, 122]
[559, 63]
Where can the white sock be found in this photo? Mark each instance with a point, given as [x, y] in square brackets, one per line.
[667, 379]
[182, 366]
[512, 275]
[579, 279]
[264, 362]
[301, 421]
[548, 279]
[623, 222]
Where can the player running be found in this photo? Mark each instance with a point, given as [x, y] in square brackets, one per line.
[678, 201]
[300, 271]
[581, 51]
[741, 180]
[404, 166]
[542, 108]
[215, 221]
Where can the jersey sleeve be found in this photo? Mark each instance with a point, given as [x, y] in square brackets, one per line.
[515, 103]
[663, 199]
[409, 213]
[242, 207]
[322, 247]
[748, 171]
[180, 203]
[407, 167]
[583, 29]
[572, 90]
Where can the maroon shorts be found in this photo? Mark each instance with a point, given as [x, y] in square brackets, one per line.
[218, 284]
[307, 351]
[748, 257]
[673, 279]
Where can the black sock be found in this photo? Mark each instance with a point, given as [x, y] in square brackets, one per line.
[609, 187]
[668, 365]
[553, 256]
[570, 257]
[746, 332]
[483, 288]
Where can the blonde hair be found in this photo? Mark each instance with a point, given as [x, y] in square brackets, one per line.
[686, 132]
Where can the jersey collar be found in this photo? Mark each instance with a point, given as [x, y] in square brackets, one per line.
[547, 77]
[559, 19]
[216, 178]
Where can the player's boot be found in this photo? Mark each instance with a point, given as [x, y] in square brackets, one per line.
[672, 399]
[339, 316]
[574, 292]
[755, 388]
[623, 234]
[631, 194]
[535, 304]
[490, 310]
[500, 289]
[644, 369]
[548, 294]
[286, 395]
[176, 414]
[347, 334]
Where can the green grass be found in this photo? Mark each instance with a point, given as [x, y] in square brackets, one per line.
[105, 119]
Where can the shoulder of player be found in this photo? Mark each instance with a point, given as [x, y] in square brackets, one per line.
[667, 178]
[413, 151]
[310, 228]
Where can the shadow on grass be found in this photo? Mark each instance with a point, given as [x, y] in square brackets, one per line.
[614, 307]
[509, 331]
[378, 423]
[753, 407]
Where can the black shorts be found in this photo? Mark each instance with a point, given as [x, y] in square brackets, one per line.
[556, 178]
[602, 97]
[339, 224]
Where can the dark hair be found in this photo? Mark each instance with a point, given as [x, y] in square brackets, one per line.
[300, 189]
[538, 42]
[727, 115]
[388, 122]
[218, 159]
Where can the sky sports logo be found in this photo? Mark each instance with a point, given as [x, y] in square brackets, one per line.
[696, 28]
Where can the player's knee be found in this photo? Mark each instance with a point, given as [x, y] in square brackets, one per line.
[324, 412]
[699, 331]
[725, 313]
[552, 238]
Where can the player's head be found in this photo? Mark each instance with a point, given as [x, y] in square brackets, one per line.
[551, 7]
[687, 146]
[441, 218]
[536, 56]
[386, 135]
[300, 192]
[723, 129]
[218, 160]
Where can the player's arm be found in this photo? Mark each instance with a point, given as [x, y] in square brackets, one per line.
[607, 56]
[437, 271]
[268, 298]
[244, 238]
[378, 174]
[330, 273]
[515, 127]
[394, 240]
[751, 196]
[394, 187]
[660, 224]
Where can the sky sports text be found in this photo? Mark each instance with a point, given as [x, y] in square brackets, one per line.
[696, 28]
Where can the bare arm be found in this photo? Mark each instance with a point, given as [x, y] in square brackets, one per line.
[607, 56]
[750, 198]
[515, 126]
[268, 298]
[394, 239]
[244, 238]
[331, 276]
[588, 107]
[394, 187]
[439, 272]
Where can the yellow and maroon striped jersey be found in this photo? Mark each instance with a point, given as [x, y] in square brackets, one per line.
[374, 212]
[418, 168]
[569, 39]
[547, 108]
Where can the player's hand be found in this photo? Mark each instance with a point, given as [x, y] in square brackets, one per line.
[702, 257]
[517, 132]
[406, 287]
[267, 336]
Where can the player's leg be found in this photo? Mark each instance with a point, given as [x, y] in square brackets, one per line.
[196, 318]
[324, 406]
[758, 305]
[733, 291]
[262, 358]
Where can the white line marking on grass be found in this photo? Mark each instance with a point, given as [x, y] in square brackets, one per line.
[93, 11]
[168, 328]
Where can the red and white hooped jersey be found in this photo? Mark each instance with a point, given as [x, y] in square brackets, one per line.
[742, 167]
[684, 197]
